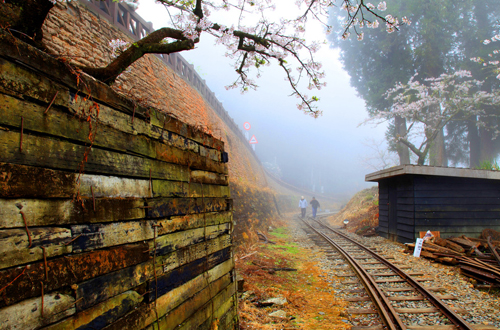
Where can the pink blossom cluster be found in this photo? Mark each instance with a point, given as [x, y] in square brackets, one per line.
[117, 47]
[494, 63]
[358, 10]
[429, 105]
[254, 38]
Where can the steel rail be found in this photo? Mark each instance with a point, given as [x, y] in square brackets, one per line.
[454, 318]
[388, 314]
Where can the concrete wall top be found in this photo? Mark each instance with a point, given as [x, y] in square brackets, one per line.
[432, 170]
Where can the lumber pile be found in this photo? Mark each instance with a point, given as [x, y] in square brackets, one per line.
[477, 258]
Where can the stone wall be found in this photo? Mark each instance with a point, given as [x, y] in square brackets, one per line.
[112, 215]
[75, 33]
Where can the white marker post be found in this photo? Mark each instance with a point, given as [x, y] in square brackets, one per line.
[246, 126]
[253, 141]
[418, 247]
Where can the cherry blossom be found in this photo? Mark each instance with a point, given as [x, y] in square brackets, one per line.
[253, 38]
[430, 105]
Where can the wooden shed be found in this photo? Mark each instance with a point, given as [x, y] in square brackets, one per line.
[453, 201]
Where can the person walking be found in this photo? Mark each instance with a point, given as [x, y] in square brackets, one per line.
[314, 205]
[303, 206]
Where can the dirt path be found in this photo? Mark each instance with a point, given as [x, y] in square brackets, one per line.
[266, 270]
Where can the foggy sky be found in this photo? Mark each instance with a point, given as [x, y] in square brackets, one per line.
[332, 144]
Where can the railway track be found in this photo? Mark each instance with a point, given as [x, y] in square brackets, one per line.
[379, 277]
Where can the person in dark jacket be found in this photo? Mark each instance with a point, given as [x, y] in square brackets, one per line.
[314, 204]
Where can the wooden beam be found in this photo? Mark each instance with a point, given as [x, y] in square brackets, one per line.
[219, 305]
[27, 315]
[21, 181]
[208, 177]
[190, 253]
[188, 308]
[145, 314]
[177, 277]
[165, 207]
[58, 212]
[171, 242]
[100, 235]
[15, 243]
[102, 314]
[56, 154]
[68, 270]
[99, 289]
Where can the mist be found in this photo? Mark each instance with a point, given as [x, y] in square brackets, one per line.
[330, 151]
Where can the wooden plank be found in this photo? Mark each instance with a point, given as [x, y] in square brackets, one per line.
[100, 315]
[412, 289]
[100, 235]
[163, 188]
[96, 290]
[456, 206]
[65, 212]
[163, 121]
[35, 182]
[160, 126]
[361, 311]
[190, 253]
[427, 310]
[227, 321]
[56, 154]
[373, 327]
[145, 314]
[17, 80]
[396, 280]
[27, 315]
[71, 127]
[165, 207]
[174, 241]
[406, 221]
[40, 62]
[203, 318]
[167, 146]
[68, 270]
[15, 244]
[419, 297]
[177, 277]
[187, 309]
[200, 161]
[209, 177]
[459, 194]
[406, 228]
[356, 299]
[57, 71]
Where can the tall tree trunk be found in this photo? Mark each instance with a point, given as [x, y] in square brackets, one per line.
[402, 149]
[487, 145]
[474, 142]
[437, 155]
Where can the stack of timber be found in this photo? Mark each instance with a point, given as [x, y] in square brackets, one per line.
[477, 258]
[111, 215]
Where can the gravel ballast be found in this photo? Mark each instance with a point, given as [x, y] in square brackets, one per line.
[482, 308]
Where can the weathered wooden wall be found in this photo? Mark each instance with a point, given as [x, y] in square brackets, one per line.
[112, 215]
[454, 206]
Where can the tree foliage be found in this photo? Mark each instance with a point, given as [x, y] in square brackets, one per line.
[441, 39]
[255, 39]
[455, 96]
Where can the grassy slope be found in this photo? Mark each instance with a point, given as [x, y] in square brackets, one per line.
[361, 211]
